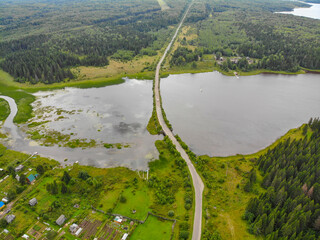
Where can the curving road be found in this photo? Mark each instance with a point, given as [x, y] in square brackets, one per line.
[197, 182]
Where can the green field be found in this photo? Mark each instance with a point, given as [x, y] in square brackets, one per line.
[134, 197]
[225, 200]
[154, 229]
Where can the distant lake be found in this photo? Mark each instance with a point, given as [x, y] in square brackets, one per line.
[312, 12]
[221, 115]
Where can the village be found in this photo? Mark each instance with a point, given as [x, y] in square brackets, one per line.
[41, 199]
[113, 228]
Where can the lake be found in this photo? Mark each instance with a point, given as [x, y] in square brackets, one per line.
[312, 12]
[221, 115]
[112, 114]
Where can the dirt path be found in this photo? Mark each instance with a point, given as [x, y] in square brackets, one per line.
[230, 225]
[197, 182]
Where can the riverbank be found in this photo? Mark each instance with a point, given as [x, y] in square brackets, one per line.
[7, 80]
[203, 67]
[22, 92]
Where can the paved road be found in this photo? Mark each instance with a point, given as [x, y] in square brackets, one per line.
[197, 182]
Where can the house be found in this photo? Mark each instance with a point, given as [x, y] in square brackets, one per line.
[2, 205]
[118, 219]
[73, 228]
[31, 178]
[78, 232]
[19, 168]
[5, 200]
[18, 178]
[25, 236]
[33, 202]
[124, 236]
[10, 218]
[61, 220]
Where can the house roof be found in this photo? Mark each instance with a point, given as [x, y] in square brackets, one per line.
[33, 201]
[61, 220]
[19, 168]
[118, 219]
[31, 178]
[10, 218]
[2, 204]
[25, 236]
[124, 237]
[78, 231]
[74, 227]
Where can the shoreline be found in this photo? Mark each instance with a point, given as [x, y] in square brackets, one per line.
[240, 73]
[294, 133]
[7, 80]
[22, 93]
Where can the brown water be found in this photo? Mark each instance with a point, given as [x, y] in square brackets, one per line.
[220, 115]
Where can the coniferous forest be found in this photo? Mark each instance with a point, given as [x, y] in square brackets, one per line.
[254, 29]
[41, 44]
[290, 206]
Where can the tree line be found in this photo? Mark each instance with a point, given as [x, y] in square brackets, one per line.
[278, 50]
[183, 55]
[290, 206]
[129, 29]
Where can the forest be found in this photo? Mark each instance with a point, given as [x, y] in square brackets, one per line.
[274, 41]
[41, 40]
[41, 44]
[183, 55]
[290, 206]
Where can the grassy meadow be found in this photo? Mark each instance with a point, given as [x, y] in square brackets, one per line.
[225, 199]
[154, 228]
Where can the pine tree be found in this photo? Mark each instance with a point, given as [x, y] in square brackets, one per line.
[64, 188]
[66, 177]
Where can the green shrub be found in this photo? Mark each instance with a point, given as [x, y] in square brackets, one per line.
[171, 213]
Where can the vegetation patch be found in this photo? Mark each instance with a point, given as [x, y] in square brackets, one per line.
[292, 190]
[153, 228]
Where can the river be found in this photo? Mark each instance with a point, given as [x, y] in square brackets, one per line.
[220, 115]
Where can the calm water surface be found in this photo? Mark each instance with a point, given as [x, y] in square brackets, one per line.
[112, 114]
[220, 115]
[312, 12]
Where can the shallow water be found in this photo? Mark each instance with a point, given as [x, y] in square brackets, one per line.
[221, 115]
[312, 12]
[112, 114]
